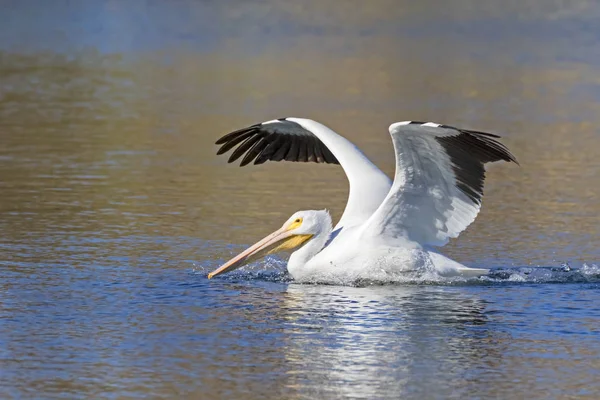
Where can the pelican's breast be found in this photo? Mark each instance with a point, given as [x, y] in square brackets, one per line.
[348, 258]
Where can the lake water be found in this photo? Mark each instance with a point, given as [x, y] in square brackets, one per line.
[114, 206]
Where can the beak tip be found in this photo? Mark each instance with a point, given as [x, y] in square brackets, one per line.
[210, 275]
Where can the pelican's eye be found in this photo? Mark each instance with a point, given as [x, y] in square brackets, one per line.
[297, 222]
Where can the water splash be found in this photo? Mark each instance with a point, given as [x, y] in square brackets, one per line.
[586, 273]
[274, 270]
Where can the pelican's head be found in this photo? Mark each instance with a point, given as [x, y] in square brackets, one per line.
[295, 232]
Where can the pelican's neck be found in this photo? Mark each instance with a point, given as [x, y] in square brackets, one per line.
[368, 184]
[300, 257]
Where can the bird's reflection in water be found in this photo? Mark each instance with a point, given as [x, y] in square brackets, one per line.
[346, 340]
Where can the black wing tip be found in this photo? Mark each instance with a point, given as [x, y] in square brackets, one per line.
[471, 132]
[231, 135]
[260, 143]
[486, 137]
[221, 150]
[489, 140]
[469, 151]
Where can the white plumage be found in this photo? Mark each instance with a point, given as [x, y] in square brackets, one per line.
[387, 227]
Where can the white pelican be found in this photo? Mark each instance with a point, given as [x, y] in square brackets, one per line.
[387, 227]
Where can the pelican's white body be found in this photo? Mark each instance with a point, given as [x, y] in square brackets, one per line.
[389, 228]
[349, 258]
[352, 256]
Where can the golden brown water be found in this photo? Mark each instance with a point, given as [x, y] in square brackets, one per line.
[114, 206]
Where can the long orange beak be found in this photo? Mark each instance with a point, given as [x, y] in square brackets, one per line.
[269, 244]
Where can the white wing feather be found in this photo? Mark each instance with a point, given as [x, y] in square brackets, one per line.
[280, 139]
[425, 203]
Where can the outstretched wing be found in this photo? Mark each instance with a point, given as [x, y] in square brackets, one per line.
[275, 140]
[304, 140]
[438, 185]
